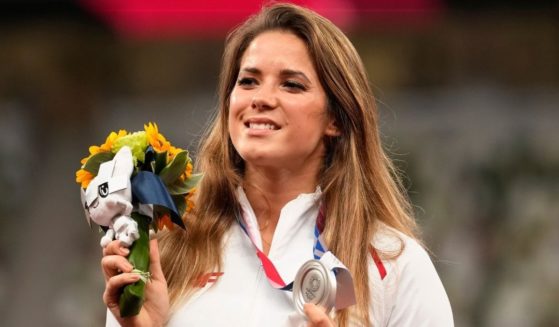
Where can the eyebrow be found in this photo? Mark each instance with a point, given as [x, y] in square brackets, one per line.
[283, 73]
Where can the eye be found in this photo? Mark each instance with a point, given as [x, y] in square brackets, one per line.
[294, 86]
[246, 81]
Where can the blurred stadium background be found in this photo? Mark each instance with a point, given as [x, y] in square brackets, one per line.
[468, 91]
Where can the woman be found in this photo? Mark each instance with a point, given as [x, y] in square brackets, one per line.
[296, 134]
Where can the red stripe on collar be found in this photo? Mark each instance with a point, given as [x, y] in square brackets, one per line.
[378, 262]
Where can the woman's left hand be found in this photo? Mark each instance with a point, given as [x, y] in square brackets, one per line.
[317, 317]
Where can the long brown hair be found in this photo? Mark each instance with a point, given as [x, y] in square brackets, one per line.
[360, 185]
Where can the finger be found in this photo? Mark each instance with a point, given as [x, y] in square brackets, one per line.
[113, 265]
[113, 288]
[154, 260]
[317, 316]
[115, 248]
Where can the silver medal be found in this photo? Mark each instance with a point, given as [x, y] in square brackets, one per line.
[314, 283]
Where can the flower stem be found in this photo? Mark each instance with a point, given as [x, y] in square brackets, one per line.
[132, 296]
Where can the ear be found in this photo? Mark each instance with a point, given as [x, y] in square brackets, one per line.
[332, 128]
[124, 164]
[84, 203]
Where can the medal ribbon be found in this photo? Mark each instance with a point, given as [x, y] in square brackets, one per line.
[345, 295]
[269, 269]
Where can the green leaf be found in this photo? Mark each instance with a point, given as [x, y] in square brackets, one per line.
[183, 187]
[160, 162]
[178, 188]
[193, 181]
[174, 169]
[92, 165]
[180, 203]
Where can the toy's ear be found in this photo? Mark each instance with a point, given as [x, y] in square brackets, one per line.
[124, 164]
[84, 203]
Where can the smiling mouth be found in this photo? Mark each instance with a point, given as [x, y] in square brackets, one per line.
[262, 126]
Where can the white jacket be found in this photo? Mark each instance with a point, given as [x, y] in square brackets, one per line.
[409, 294]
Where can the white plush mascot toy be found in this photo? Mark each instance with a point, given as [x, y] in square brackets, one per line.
[107, 199]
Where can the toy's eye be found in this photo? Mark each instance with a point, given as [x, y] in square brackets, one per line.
[104, 190]
[94, 204]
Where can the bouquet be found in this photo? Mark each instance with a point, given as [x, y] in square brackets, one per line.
[131, 184]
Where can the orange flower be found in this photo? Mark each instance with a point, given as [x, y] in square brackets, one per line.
[189, 206]
[156, 140]
[187, 172]
[105, 147]
[165, 221]
[189, 202]
[84, 177]
[172, 152]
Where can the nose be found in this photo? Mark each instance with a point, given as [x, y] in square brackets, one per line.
[265, 98]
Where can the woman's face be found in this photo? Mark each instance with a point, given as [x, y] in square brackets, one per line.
[277, 109]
